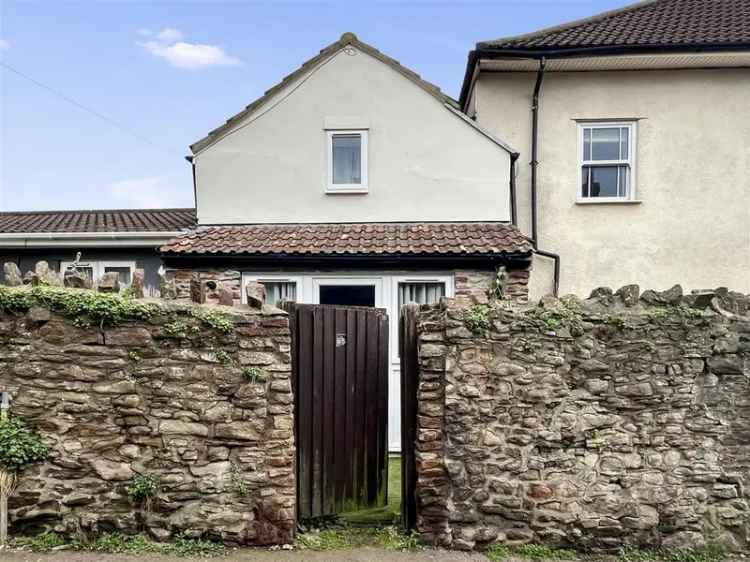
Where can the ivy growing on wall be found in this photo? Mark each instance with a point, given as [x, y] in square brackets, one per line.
[86, 307]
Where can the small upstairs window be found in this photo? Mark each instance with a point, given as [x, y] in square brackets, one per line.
[607, 161]
[347, 161]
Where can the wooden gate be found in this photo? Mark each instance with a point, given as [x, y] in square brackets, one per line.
[340, 378]
[409, 387]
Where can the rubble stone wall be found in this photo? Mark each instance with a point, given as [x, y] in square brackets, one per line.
[622, 419]
[207, 411]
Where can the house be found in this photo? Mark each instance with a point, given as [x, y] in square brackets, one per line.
[632, 128]
[354, 182]
[109, 241]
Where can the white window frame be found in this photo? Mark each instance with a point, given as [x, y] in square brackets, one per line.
[98, 267]
[271, 278]
[361, 187]
[630, 161]
[396, 280]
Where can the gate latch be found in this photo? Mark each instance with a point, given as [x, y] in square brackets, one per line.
[340, 340]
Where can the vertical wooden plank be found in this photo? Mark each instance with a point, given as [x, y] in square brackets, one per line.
[382, 413]
[328, 408]
[360, 442]
[409, 384]
[317, 419]
[339, 415]
[351, 411]
[303, 412]
[371, 407]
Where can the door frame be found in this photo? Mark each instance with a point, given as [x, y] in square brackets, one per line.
[353, 280]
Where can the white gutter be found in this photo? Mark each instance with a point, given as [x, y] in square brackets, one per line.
[84, 239]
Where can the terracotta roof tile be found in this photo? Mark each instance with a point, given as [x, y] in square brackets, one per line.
[119, 220]
[657, 23]
[352, 239]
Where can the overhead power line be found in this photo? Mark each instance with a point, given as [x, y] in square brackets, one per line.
[95, 113]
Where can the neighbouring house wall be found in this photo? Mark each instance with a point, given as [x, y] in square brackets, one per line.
[425, 162]
[591, 424]
[693, 165]
[140, 398]
[146, 259]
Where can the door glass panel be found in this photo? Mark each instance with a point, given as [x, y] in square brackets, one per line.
[352, 295]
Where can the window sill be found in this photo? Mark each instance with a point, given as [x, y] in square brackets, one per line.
[608, 202]
[347, 190]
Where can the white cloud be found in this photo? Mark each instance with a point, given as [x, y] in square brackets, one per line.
[4, 44]
[169, 35]
[146, 193]
[168, 44]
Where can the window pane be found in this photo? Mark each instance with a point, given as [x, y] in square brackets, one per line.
[605, 181]
[624, 141]
[605, 143]
[587, 144]
[420, 293]
[279, 290]
[124, 273]
[347, 159]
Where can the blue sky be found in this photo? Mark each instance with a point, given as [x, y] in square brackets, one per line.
[165, 73]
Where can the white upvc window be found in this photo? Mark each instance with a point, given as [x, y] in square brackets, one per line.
[95, 269]
[606, 153]
[347, 161]
[278, 287]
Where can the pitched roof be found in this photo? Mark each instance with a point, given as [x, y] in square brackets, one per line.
[654, 23]
[347, 39]
[408, 239]
[117, 220]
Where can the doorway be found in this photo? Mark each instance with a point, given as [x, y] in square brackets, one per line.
[340, 383]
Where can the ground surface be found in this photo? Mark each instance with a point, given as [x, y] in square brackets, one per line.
[255, 555]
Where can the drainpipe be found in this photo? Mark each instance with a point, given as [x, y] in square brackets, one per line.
[534, 163]
[513, 203]
[191, 159]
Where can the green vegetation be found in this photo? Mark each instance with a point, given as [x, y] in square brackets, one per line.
[253, 374]
[143, 488]
[565, 312]
[134, 357]
[20, 446]
[219, 321]
[115, 543]
[223, 357]
[100, 308]
[88, 307]
[40, 543]
[498, 552]
[179, 330]
[390, 513]
[345, 538]
[707, 553]
[497, 291]
[478, 320]
[237, 482]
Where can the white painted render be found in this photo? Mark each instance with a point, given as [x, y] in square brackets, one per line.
[426, 162]
[692, 222]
